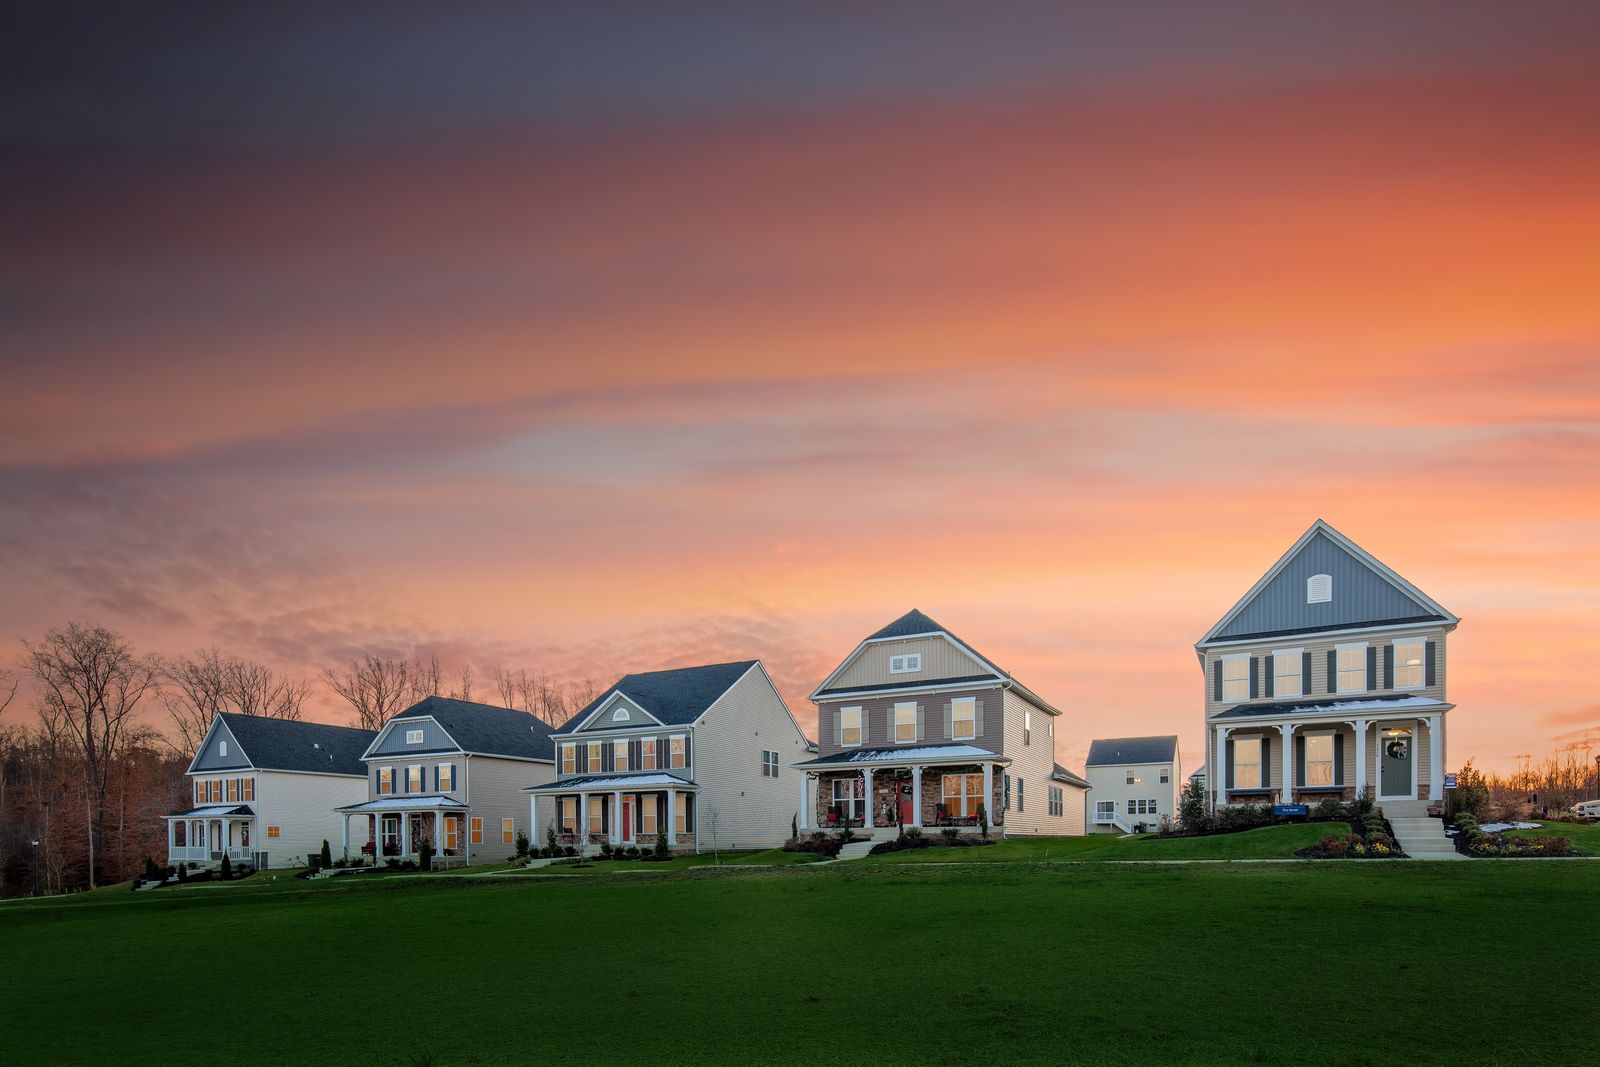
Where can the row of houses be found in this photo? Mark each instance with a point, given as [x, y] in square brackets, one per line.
[1326, 678]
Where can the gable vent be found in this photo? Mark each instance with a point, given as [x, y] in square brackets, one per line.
[1319, 589]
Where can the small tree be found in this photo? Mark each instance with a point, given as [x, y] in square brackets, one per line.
[425, 854]
[663, 850]
[227, 866]
[183, 872]
[522, 845]
[983, 821]
[1472, 791]
[550, 835]
[326, 859]
[794, 827]
[1192, 806]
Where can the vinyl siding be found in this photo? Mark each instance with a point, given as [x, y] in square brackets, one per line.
[878, 718]
[940, 659]
[391, 743]
[1420, 748]
[1319, 647]
[210, 758]
[494, 792]
[302, 807]
[1034, 763]
[633, 717]
[753, 811]
[1111, 783]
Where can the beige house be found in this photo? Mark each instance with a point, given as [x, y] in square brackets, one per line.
[918, 729]
[1133, 783]
[1326, 679]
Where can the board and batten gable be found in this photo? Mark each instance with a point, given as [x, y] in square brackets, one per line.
[1033, 762]
[752, 810]
[934, 719]
[392, 741]
[1360, 596]
[1318, 648]
[941, 659]
[212, 757]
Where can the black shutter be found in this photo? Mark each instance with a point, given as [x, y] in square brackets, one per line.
[1372, 667]
[1254, 685]
[1269, 672]
[1228, 779]
[1427, 664]
[608, 756]
[1305, 673]
[1216, 679]
[1299, 761]
[1388, 666]
[1266, 761]
[1338, 759]
[1333, 670]
[688, 758]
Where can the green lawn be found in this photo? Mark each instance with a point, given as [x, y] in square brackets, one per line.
[1269, 842]
[1584, 836]
[1336, 964]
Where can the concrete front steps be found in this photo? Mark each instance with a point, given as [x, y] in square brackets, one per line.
[1419, 836]
[855, 850]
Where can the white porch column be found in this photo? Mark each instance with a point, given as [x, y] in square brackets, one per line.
[805, 797]
[671, 817]
[344, 833]
[916, 795]
[1287, 732]
[616, 817]
[583, 822]
[1361, 726]
[866, 815]
[171, 838]
[988, 793]
[1219, 768]
[1435, 760]
[535, 831]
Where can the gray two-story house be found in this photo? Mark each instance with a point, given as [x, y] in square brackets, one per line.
[451, 772]
[916, 728]
[1327, 678]
[699, 755]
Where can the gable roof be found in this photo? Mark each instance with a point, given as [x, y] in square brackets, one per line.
[675, 697]
[1062, 774]
[915, 624]
[1117, 751]
[292, 745]
[1366, 592]
[486, 729]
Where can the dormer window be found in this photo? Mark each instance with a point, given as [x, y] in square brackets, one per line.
[905, 664]
[1319, 589]
[413, 737]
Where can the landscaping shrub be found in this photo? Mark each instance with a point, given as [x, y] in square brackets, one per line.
[605, 850]
[663, 850]
[227, 866]
[522, 845]
[1334, 846]
[1554, 846]
[1191, 808]
[425, 855]
[1331, 810]
[183, 872]
[822, 844]
[327, 855]
[569, 850]
[949, 833]
[151, 873]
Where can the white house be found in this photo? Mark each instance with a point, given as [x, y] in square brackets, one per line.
[1133, 783]
[265, 791]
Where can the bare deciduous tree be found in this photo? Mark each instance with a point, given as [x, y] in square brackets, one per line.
[91, 684]
[375, 686]
[427, 679]
[199, 686]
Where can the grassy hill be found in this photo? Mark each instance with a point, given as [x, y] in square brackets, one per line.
[1348, 963]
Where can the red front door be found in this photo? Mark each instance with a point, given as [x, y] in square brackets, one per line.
[627, 818]
[905, 805]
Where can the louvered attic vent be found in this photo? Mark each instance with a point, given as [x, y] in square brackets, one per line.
[1319, 589]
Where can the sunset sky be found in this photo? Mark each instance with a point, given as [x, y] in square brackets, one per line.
[610, 339]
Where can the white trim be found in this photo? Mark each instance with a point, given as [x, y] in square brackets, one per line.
[998, 673]
[610, 701]
[1344, 715]
[974, 720]
[1361, 555]
[909, 662]
[1339, 649]
[1234, 657]
[862, 727]
[1394, 724]
[918, 690]
[1299, 671]
[1422, 666]
[894, 722]
[205, 738]
[401, 717]
[1321, 635]
[1322, 594]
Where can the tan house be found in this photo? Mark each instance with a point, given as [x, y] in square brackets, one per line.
[1327, 678]
[918, 729]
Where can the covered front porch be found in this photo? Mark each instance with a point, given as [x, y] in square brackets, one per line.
[621, 811]
[397, 827]
[1336, 750]
[887, 788]
[206, 834]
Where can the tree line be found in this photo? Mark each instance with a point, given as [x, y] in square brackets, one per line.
[83, 785]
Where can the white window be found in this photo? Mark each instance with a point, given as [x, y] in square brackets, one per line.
[647, 754]
[1319, 589]
[569, 759]
[414, 779]
[1056, 807]
[1166, 775]
[905, 722]
[446, 773]
[1247, 763]
[769, 764]
[1408, 664]
[620, 715]
[849, 794]
[594, 761]
[1352, 666]
[385, 780]
[1022, 799]
[619, 755]
[1132, 779]
[222, 748]
[1105, 810]
[849, 726]
[1141, 807]
[911, 661]
[680, 817]
[1286, 672]
[961, 795]
[1027, 727]
[1319, 759]
[678, 752]
[1236, 677]
[964, 718]
[413, 737]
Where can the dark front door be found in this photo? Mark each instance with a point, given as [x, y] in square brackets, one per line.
[1394, 758]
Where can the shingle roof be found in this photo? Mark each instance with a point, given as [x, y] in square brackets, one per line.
[904, 754]
[676, 697]
[487, 729]
[1067, 776]
[1116, 751]
[288, 745]
[890, 686]
[1324, 707]
[910, 624]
